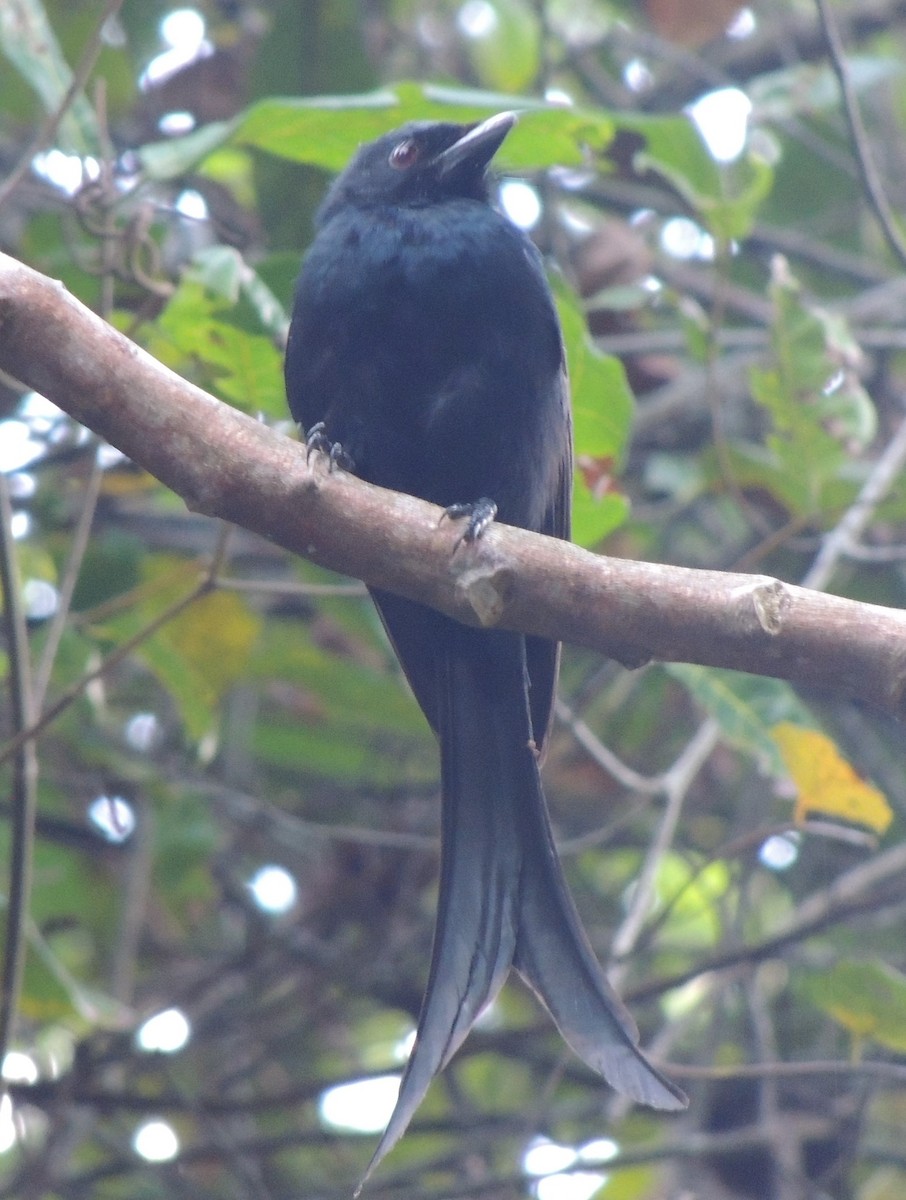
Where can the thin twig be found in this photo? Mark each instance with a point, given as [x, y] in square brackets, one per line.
[206, 584]
[847, 532]
[51, 122]
[288, 588]
[137, 878]
[787, 1148]
[25, 775]
[871, 180]
[72, 693]
[288, 830]
[857, 890]
[676, 783]
[57, 624]
[886, 1072]
[605, 757]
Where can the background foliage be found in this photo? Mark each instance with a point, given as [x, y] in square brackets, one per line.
[236, 818]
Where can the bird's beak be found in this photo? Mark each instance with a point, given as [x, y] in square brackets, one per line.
[478, 144]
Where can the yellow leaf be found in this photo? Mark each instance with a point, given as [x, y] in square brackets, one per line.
[215, 636]
[826, 782]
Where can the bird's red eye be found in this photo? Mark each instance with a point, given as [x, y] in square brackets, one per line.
[404, 154]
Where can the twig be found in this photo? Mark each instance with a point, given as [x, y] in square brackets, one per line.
[51, 122]
[847, 532]
[871, 180]
[25, 775]
[787, 1148]
[290, 588]
[885, 1072]
[137, 877]
[289, 830]
[604, 757]
[848, 893]
[57, 624]
[206, 584]
[676, 783]
[33, 729]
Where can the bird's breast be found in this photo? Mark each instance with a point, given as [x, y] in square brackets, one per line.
[441, 353]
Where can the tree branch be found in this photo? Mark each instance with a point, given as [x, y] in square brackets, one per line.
[227, 465]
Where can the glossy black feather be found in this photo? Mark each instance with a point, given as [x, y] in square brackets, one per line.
[425, 337]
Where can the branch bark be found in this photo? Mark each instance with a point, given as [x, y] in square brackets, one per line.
[227, 465]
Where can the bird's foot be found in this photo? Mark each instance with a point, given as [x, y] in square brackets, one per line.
[478, 515]
[317, 442]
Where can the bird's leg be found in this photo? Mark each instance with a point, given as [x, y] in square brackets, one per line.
[478, 515]
[317, 442]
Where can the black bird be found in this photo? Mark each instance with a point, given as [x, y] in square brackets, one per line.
[425, 353]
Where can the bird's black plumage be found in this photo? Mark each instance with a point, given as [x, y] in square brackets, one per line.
[425, 343]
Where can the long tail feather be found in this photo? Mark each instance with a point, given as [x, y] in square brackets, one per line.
[503, 900]
[554, 958]
[475, 929]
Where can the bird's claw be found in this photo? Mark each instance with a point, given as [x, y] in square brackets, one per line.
[478, 515]
[317, 442]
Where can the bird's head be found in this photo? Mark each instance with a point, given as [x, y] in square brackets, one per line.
[424, 162]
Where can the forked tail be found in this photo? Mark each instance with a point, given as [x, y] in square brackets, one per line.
[504, 902]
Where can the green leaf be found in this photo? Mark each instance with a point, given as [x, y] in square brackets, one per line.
[193, 337]
[224, 272]
[199, 653]
[29, 42]
[185, 841]
[602, 405]
[220, 271]
[695, 897]
[71, 915]
[868, 998]
[506, 53]
[112, 565]
[185, 687]
[680, 476]
[494, 1079]
[761, 469]
[335, 715]
[325, 131]
[178, 156]
[64, 252]
[593, 517]
[743, 187]
[183, 327]
[819, 410]
[746, 708]
[51, 993]
[214, 639]
[247, 370]
[342, 752]
[726, 196]
[602, 400]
